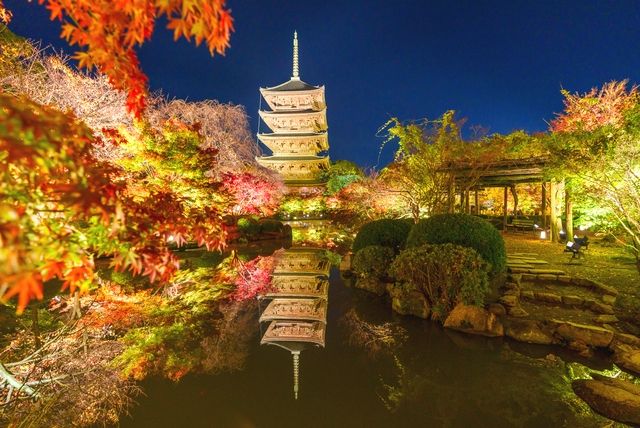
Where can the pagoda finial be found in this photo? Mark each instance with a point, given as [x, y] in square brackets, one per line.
[296, 373]
[296, 74]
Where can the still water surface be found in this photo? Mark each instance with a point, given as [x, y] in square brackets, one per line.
[435, 378]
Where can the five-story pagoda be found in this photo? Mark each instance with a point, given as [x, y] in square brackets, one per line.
[298, 121]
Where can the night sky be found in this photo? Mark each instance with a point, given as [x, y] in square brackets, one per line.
[501, 64]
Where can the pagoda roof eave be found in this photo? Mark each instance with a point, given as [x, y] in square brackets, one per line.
[292, 86]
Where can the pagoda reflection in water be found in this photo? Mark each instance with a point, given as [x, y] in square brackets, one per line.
[296, 311]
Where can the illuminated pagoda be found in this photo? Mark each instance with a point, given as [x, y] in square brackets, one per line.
[298, 121]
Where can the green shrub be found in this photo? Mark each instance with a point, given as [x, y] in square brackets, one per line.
[249, 226]
[390, 233]
[447, 274]
[373, 261]
[271, 226]
[464, 230]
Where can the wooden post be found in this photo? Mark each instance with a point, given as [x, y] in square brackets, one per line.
[543, 208]
[467, 202]
[461, 200]
[568, 211]
[504, 216]
[450, 196]
[477, 202]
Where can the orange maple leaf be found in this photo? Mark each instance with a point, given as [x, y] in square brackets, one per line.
[25, 285]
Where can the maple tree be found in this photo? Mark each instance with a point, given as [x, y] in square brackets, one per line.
[594, 142]
[50, 181]
[596, 108]
[109, 31]
[63, 206]
[252, 193]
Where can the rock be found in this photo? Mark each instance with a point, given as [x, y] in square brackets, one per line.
[474, 319]
[581, 348]
[409, 302]
[512, 292]
[548, 297]
[609, 299]
[372, 285]
[604, 288]
[529, 331]
[518, 270]
[564, 279]
[527, 294]
[509, 300]
[517, 278]
[496, 309]
[590, 335]
[628, 339]
[628, 358]
[547, 277]
[554, 272]
[511, 286]
[528, 277]
[601, 308]
[572, 300]
[582, 282]
[614, 398]
[345, 262]
[606, 319]
[518, 312]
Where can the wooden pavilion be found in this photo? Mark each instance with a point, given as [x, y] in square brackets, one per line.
[507, 174]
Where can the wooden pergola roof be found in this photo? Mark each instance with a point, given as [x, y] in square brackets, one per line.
[501, 173]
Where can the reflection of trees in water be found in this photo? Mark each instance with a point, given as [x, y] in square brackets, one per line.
[227, 349]
[375, 339]
[466, 381]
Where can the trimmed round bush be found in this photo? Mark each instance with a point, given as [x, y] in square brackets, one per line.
[464, 230]
[447, 274]
[390, 233]
[248, 226]
[271, 226]
[373, 261]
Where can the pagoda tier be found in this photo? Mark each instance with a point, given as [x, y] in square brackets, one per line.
[298, 121]
[306, 121]
[294, 95]
[295, 145]
[304, 170]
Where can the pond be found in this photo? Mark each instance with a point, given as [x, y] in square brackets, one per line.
[375, 370]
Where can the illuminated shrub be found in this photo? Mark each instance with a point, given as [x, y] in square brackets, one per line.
[271, 226]
[447, 274]
[391, 233]
[248, 227]
[373, 261]
[464, 230]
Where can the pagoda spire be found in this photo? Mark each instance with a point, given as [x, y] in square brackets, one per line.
[296, 73]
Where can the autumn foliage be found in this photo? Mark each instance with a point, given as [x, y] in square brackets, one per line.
[109, 31]
[598, 107]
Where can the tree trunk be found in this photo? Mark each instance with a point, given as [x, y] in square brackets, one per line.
[556, 221]
[477, 203]
[543, 208]
[515, 200]
[568, 211]
[467, 202]
[504, 209]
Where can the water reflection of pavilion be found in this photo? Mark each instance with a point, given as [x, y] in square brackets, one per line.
[296, 312]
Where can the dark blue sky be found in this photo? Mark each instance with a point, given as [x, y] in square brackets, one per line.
[501, 64]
